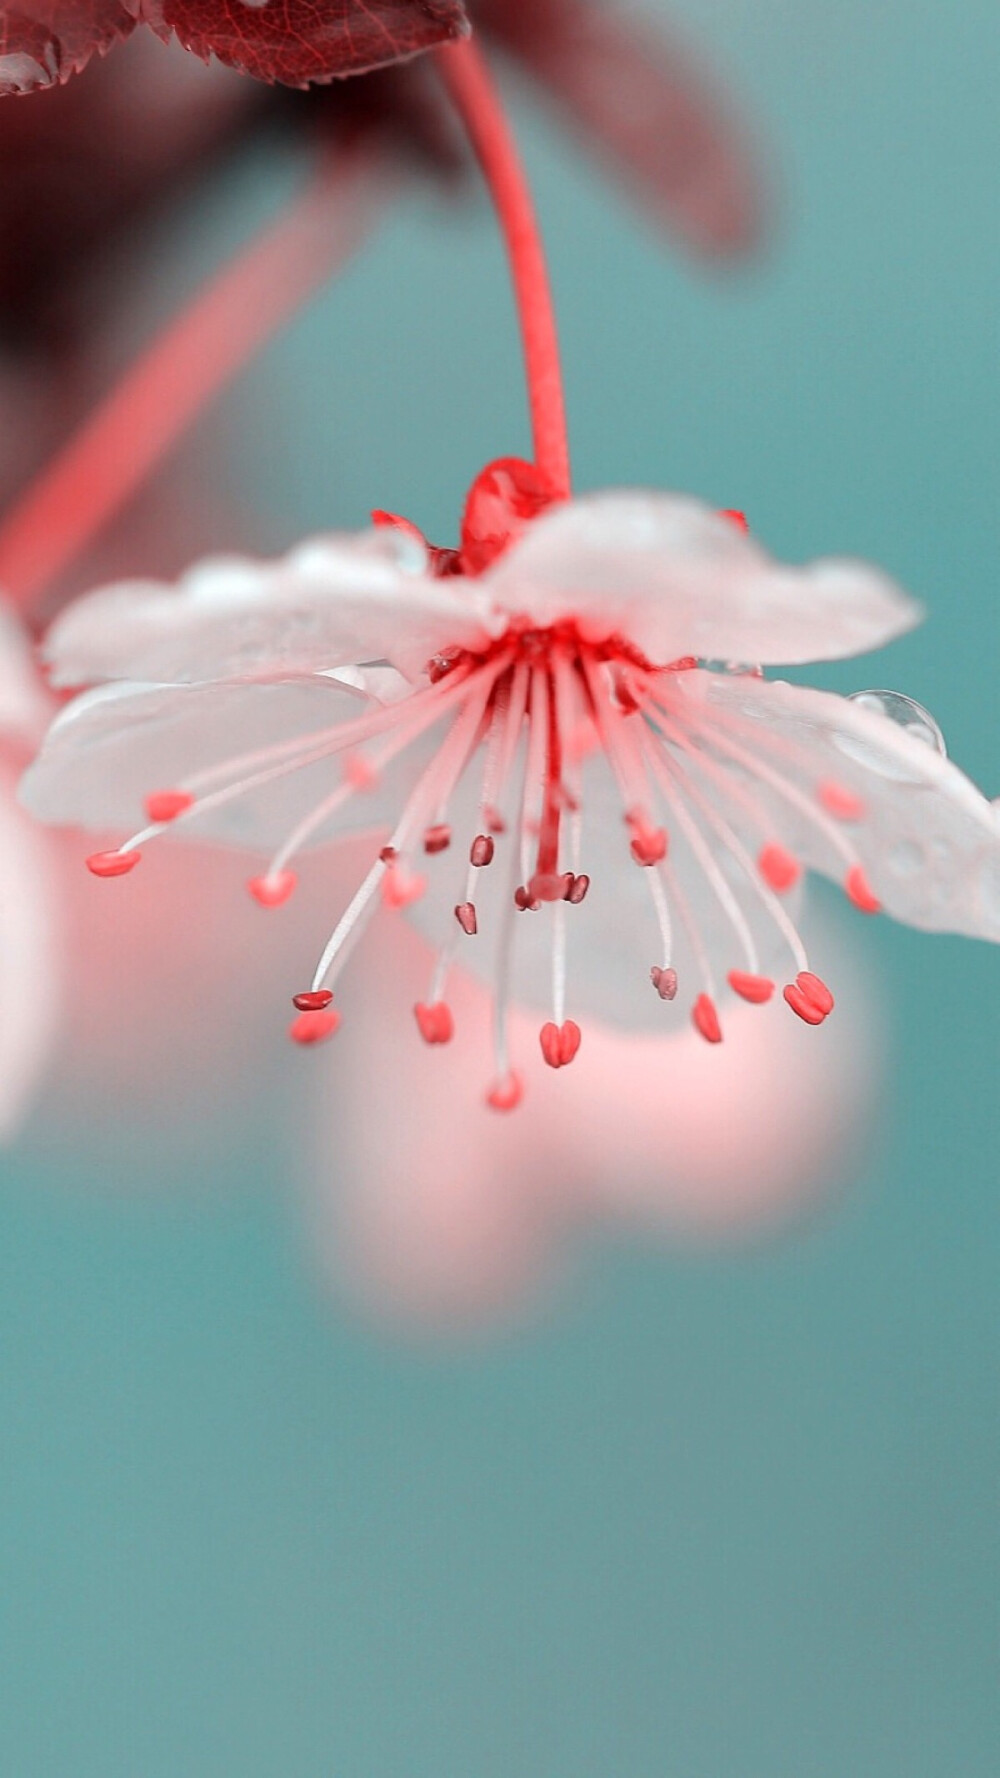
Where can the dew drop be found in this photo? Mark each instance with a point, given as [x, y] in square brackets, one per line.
[908, 715]
[906, 858]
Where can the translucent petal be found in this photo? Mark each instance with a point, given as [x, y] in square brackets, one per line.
[330, 602]
[110, 748]
[676, 578]
[927, 839]
[29, 959]
[24, 707]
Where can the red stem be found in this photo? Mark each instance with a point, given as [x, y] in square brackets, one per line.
[470, 84]
[159, 396]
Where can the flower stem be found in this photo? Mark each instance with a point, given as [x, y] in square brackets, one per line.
[478, 103]
[118, 445]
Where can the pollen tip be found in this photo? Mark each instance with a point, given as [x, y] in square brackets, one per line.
[664, 981]
[815, 990]
[359, 772]
[778, 868]
[400, 889]
[270, 891]
[840, 802]
[560, 1043]
[112, 864]
[755, 988]
[495, 821]
[434, 1021]
[465, 914]
[808, 1010]
[314, 1000]
[576, 890]
[524, 900]
[506, 1093]
[166, 805]
[859, 891]
[706, 1019]
[314, 1027]
[481, 851]
[649, 844]
[437, 838]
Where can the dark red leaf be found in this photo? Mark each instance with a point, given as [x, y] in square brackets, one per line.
[640, 100]
[43, 42]
[302, 42]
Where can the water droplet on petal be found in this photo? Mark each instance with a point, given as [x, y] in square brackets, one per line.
[907, 715]
[906, 858]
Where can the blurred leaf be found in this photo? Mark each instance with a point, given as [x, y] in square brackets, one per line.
[301, 42]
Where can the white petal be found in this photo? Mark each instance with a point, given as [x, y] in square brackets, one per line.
[29, 959]
[332, 601]
[110, 748]
[676, 578]
[927, 839]
[24, 707]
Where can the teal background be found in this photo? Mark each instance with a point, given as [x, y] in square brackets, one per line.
[715, 1515]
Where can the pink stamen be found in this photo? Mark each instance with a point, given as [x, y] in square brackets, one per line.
[706, 1019]
[465, 914]
[437, 838]
[273, 891]
[755, 988]
[314, 1027]
[837, 800]
[778, 868]
[309, 1002]
[809, 997]
[664, 981]
[506, 1093]
[858, 890]
[112, 864]
[482, 850]
[434, 1022]
[560, 1043]
[166, 805]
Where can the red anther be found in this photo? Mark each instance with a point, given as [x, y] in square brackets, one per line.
[815, 990]
[506, 1094]
[272, 891]
[547, 886]
[438, 838]
[166, 805]
[482, 849]
[522, 899]
[559, 1042]
[664, 981]
[576, 890]
[755, 988]
[778, 868]
[359, 772]
[858, 889]
[839, 801]
[501, 502]
[313, 1027]
[706, 1019]
[112, 864]
[800, 1003]
[465, 914]
[735, 517]
[495, 821]
[401, 888]
[315, 1000]
[649, 845]
[388, 855]
[434, 1022]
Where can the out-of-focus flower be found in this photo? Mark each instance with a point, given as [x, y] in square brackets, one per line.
[30, 963]
[433, 1214]
[631, 807]
[297, 42]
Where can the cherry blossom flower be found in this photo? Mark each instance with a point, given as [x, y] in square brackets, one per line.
[569, 798]
[29, 961]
